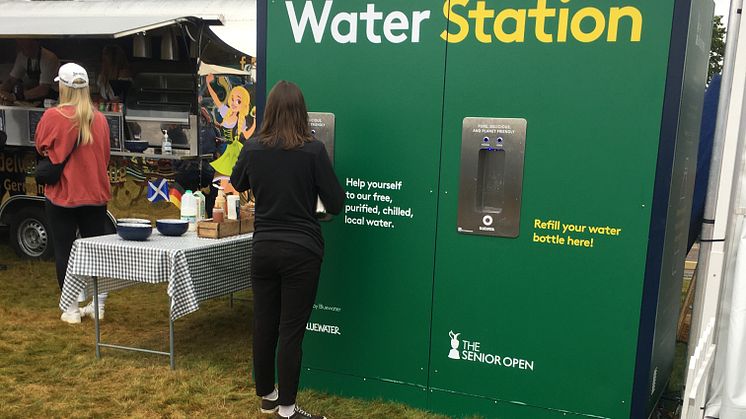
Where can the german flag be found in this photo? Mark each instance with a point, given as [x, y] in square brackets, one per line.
[175, 193]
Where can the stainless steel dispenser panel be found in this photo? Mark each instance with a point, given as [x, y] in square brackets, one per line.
[322, 129]
[491, 181]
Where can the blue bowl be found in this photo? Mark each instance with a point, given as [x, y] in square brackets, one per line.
[135, 232]
[172, 227]
[136, 146]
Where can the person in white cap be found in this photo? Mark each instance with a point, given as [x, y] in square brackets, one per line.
[76, 134]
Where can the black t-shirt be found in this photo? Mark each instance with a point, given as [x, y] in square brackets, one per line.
[286, 184]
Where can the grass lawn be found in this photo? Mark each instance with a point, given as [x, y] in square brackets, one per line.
[48, 368]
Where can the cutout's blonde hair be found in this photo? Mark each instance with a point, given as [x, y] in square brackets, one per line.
[243, 111]
[80, 100]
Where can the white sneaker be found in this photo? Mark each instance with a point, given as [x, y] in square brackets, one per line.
[88, 311]
[72, 317]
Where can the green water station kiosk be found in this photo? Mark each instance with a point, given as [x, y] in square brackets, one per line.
[519, 176]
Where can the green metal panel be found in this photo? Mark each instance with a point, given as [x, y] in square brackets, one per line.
[376, 283]
[571, 312]
[363, 387]
[462, 405]
[544, 329]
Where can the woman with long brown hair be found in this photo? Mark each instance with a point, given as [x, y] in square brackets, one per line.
[75, 133]
[286, 169]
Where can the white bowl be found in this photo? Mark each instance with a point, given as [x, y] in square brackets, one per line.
[134, 221]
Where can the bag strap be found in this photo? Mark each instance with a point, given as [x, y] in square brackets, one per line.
[73, 150]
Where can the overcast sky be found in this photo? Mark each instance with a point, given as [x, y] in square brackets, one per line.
[721, 8]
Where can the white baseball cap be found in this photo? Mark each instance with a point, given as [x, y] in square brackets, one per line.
[71, 72]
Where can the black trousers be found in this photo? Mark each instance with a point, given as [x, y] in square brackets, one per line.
[284, 277]
[64, 223]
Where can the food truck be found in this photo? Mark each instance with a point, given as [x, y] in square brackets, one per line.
[187, 62]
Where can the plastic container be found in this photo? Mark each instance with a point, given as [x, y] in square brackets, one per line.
[189, 209]
[234, 205]
[220, 202]
[166, 146]
[201, 204]
[218, 215]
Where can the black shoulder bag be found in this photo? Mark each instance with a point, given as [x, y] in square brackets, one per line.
[48, 173]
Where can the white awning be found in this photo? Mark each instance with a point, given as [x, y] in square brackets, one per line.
[234, 21]
[116, 26]
[205, 68]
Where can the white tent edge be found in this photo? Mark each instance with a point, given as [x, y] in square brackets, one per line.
[715, 386]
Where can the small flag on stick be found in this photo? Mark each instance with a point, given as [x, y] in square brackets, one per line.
[158, 190]
[175, 194]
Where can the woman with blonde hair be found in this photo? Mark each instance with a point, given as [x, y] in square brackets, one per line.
[75, 134]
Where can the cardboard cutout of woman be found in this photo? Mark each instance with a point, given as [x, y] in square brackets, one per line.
[235, 111]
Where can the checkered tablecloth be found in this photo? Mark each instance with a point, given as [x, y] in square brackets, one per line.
[196, 269]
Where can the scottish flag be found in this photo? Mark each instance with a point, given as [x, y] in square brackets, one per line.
[157, 190]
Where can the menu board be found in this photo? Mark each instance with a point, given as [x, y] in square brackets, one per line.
[34, 116]
[114, 121]
[115, 131]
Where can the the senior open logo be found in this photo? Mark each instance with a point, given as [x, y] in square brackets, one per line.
[471, 350]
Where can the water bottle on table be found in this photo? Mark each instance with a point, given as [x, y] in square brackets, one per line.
[189, 209]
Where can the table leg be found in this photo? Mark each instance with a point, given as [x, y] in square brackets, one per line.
[95, 317]
[171, 340]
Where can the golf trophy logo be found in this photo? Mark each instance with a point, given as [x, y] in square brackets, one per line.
[454, 345]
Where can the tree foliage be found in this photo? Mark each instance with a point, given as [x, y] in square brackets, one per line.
[717, 50]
